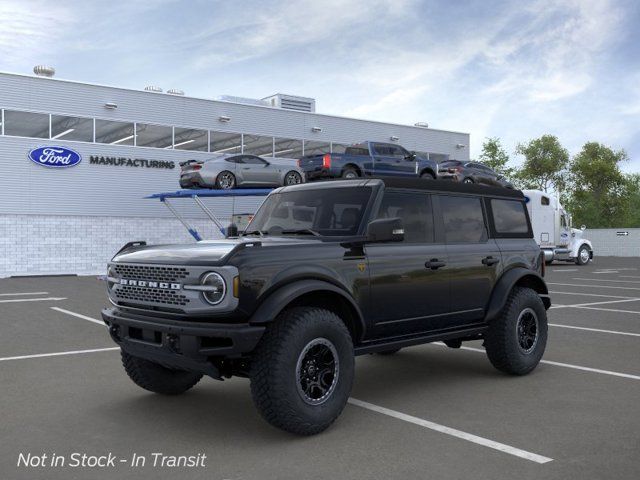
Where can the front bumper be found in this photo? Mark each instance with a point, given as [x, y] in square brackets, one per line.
[180, 344]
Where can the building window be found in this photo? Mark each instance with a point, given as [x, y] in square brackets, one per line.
[258, 145]
[71, 128]
[287, 148]
[190, 139]
[338, 147]
[226, 143]
[26, 124]
[316, 148]
[156, 136]
[114, 133]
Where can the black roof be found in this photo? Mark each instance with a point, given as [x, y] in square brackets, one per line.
[450, 186]
[412, 184]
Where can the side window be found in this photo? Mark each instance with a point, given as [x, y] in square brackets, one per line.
[250, 159]
[381, 149]
[397, 151]
[415, 212]
[234, 160]
[463, 219]
[509, 216]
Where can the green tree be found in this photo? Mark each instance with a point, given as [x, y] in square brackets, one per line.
[495, 157]
[633, 194]
[600, 192]
[545, 164]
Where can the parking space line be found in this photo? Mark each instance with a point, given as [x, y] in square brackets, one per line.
[22, 293]
[485, 442]
[589, 294]
[79, 315]
[565, 365]
[16, 300]
[593, 286]
[598, 330]
[609, 310]
[588, 304]
[629, 276]
[57, 354]
[561, 270]
[603, 280]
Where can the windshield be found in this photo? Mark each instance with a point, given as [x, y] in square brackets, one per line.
[326, 212]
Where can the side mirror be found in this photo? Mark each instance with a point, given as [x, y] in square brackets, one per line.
[410, 157]
[385, 230]
[231, 231]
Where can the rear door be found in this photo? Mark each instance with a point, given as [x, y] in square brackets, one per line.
[474, 259]
[409, 287]
[384, 160]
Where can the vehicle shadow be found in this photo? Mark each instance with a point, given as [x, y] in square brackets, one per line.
[226, 408]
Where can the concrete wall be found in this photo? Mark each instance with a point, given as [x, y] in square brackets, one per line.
[609, 242]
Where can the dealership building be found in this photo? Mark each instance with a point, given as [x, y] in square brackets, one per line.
[129, 144]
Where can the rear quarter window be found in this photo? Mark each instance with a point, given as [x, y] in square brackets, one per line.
[463, 219]
[509, 218]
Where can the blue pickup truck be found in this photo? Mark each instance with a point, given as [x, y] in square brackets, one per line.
[367, 159]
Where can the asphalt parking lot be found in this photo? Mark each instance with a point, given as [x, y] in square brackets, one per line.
[426, 412]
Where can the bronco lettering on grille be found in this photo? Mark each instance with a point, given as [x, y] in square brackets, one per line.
[144, 283]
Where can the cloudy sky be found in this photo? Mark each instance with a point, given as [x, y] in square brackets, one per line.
[514, 69]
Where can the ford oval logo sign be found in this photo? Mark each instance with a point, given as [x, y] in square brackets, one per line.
[55, 157]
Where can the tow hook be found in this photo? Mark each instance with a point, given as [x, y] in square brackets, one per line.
[114, 331]
[173, 344]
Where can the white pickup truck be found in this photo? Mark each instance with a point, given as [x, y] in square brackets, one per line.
[552, 230]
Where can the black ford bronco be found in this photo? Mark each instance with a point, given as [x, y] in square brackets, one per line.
[324, 272]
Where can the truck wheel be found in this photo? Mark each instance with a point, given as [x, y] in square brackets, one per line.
[350, 173]
[302, 370]
[156, 378]
[583, 255]
[225, 180]
[516, 339]
[428, 176]
[468, 180]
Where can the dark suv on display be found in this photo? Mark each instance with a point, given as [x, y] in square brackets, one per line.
[471, 172]
[326, 271]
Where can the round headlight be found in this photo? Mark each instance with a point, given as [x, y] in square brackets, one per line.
[217, 288]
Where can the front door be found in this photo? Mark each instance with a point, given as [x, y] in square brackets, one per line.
[474, 259]
[409, 286]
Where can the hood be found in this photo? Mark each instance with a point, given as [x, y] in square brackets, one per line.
[206, 252]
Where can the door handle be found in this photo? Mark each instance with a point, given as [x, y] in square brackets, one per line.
[488, 261]
[434, 264]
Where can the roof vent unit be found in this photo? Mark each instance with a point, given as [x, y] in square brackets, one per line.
[153, 88]
[291, 102]
[175, 91]
[44, 71]
[243, 100]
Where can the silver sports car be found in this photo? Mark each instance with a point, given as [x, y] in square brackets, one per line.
[231, 171]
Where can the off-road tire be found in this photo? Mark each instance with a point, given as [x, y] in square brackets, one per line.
[350, 173]
[393, 351]
[501, 340]
[579, 260]
[274, 374]
[156, 378]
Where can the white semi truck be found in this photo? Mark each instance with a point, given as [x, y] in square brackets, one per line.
[553, 232]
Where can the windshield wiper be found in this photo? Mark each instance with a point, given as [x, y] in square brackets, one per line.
[303, 231]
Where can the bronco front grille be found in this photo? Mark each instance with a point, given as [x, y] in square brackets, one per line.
[151, 273]
[154, 295]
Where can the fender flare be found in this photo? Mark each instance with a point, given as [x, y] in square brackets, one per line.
[576, 247]
[283, 296]
[505, 284]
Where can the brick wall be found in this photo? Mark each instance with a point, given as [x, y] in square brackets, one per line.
[51, 245]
